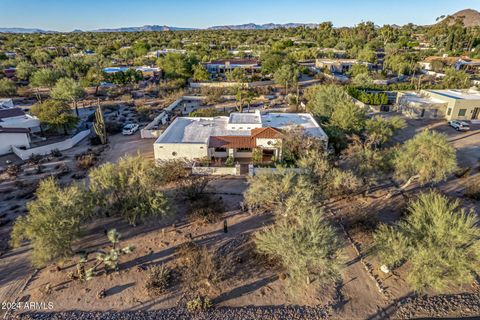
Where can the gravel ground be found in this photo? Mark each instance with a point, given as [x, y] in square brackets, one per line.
[247, 313]
[464, 305]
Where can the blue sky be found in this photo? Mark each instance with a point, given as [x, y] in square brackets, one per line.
[66, 15]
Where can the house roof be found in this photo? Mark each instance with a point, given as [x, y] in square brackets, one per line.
[266, 133]
[14, 130]
[235, 61]
[231, 142]
[11, 112]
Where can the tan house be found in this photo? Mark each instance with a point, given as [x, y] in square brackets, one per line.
[448, 104]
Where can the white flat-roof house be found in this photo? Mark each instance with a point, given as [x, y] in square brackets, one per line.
[234, 136]
[448, 104]
[223, 66]
[18, 137]
[339, 65]
[17, 118]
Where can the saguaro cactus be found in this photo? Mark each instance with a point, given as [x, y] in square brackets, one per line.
[99, 125]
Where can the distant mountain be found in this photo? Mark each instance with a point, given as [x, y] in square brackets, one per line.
[143, 28]
[268, 26]
[24, 30]
[470, 17]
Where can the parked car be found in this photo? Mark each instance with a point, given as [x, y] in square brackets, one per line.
[459, 125]
[129, 129]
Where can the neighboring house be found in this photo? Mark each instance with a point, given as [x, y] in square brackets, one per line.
[158, 53]
[6, 104]
[16, 118]
[339, 65]
[10, 55]
[18, 137]
[146, 71]
[235, 136]
[448, 104]
[459, 63]
[223, 66]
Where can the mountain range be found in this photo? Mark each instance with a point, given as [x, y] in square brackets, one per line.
[471, 18]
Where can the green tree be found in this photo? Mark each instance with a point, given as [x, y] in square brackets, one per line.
[456, 79]
[95, 76]
[200, 73]
[41, 57]
[44, 78]
[280, 189]
[68, 89]
[237, 75]
[24, 70]
[367, 55]
[426, 158]
[305, 245]
[176, 65]
[53, 221]
[322, 100]
[347, 117]
[356, 69]
[287, 74]
[380, 130]
[129, 189]
[440, 241]
[55, 113]
[7, 88]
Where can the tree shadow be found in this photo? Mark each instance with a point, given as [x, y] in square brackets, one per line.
[245, 289]
[117, 289]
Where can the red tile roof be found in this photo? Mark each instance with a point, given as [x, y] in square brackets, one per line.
[11, 112]
[231, 142]
[266, 133]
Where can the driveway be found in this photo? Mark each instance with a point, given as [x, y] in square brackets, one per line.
[467, 143]
[120, 145]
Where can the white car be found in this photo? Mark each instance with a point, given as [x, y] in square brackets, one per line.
[459, 125]
[129, 129]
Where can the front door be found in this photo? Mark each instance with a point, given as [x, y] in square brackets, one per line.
[476, 113]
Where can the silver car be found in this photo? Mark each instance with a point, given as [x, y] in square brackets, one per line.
[459, 125]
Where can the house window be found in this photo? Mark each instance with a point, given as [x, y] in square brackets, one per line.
[244, 150]
[174, 154]
[220, 149]
[449, 111]
[462, 112]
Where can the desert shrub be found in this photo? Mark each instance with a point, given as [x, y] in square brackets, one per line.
[199, 304]
[114, 127]
[172, 170]
[56, 153]
[53, 221]
[13, 170]
[158, 280]
[202, 269]
[34, 159]
[473, 188]
[272, 190]
[427, 157]
[129, 189]
[229, 162]
[306, 245]
[440, 241]
[193, 187]
[206, 209]
[85, 161]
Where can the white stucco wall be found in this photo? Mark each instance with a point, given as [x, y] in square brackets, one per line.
[190, 151]
[7, 140]
[268, 143]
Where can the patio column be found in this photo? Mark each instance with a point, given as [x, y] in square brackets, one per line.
[231, 152]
